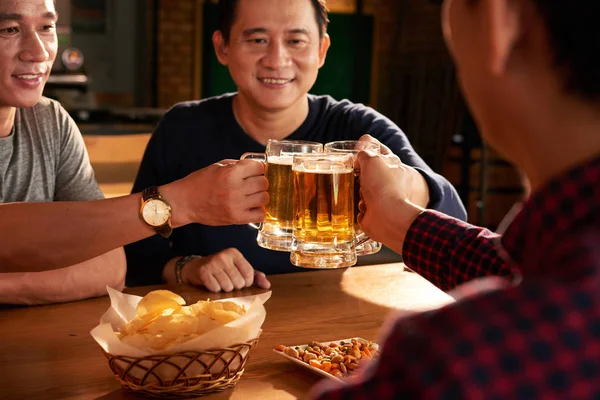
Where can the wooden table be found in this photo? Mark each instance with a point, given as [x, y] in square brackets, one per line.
[46, 352]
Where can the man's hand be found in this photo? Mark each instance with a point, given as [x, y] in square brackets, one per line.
[386, 211]
[226, 271]
[229, 192]
[414, 183]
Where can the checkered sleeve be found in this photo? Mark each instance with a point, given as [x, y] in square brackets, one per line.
[448, 252]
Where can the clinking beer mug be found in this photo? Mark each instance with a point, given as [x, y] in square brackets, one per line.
[364, 245]
[275, 232]
[323, 198]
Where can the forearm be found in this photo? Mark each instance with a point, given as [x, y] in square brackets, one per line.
[449, 252]
[76, 282]
[43, 236]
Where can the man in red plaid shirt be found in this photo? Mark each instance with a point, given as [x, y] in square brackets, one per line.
[527, 321]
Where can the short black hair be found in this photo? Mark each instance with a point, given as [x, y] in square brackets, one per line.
[574, 36]
[228, 8]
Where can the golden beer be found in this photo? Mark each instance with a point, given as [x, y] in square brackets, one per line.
[365, 245]
[323, 235]
[279, 209]
[275, 232]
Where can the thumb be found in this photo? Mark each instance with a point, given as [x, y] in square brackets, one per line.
[260, 280]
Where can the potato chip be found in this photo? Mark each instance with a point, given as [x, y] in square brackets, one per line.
[224, 311]
[157, 302]
[162, 319]
[168, 294]
[174, 323]
[135, 325]
[198, 308]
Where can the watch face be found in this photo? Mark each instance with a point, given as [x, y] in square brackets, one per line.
[156, 212]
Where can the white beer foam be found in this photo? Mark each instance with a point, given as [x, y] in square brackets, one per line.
[281, 160]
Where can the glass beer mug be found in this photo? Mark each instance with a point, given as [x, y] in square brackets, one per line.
[323, 228]
[364, 245]
[275, 232]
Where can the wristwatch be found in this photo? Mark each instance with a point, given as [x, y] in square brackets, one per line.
[156, 212]
[180, 263]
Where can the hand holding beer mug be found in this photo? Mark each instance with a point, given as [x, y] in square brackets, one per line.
[323, 235]
[364, 245]
[275, 232]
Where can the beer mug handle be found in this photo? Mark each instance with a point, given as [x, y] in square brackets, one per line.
[361, 238]
[262, 157]
[256, 226]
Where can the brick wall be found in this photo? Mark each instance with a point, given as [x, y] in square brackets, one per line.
[175, 52]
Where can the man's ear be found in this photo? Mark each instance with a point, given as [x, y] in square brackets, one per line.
[325, 43]
[505, 21]
[221, 48]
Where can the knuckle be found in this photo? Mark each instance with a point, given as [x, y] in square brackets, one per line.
[233, 251]
[204, 272]
[263, 182]
[239, 283]
[221, 256]
[228, 173]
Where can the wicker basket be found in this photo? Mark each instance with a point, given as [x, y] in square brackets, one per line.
[187, 374]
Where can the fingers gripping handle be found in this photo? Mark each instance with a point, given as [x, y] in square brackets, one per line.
[262, 157]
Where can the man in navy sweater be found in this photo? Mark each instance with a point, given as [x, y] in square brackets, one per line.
[273, 49]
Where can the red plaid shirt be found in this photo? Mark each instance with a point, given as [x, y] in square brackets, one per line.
[538, 336]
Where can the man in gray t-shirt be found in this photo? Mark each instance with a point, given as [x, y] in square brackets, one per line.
[44, 158]
[48, 226]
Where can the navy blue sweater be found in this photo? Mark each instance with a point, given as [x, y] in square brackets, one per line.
[193, 135]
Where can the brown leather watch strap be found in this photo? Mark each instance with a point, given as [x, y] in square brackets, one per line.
[164, 231]
[150, 192]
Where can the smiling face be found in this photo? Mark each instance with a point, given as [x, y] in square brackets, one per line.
[28, 47]
[274, 52]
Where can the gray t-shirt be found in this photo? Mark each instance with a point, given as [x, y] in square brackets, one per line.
[44, 158]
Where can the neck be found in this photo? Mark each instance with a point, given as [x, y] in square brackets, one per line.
[7, 120]
[558, 139]
[262, 125]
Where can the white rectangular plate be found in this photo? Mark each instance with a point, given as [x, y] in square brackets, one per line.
[311, 368]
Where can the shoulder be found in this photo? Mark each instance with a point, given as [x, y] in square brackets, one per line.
[351, 120]
[329, 105]
[352, 116]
